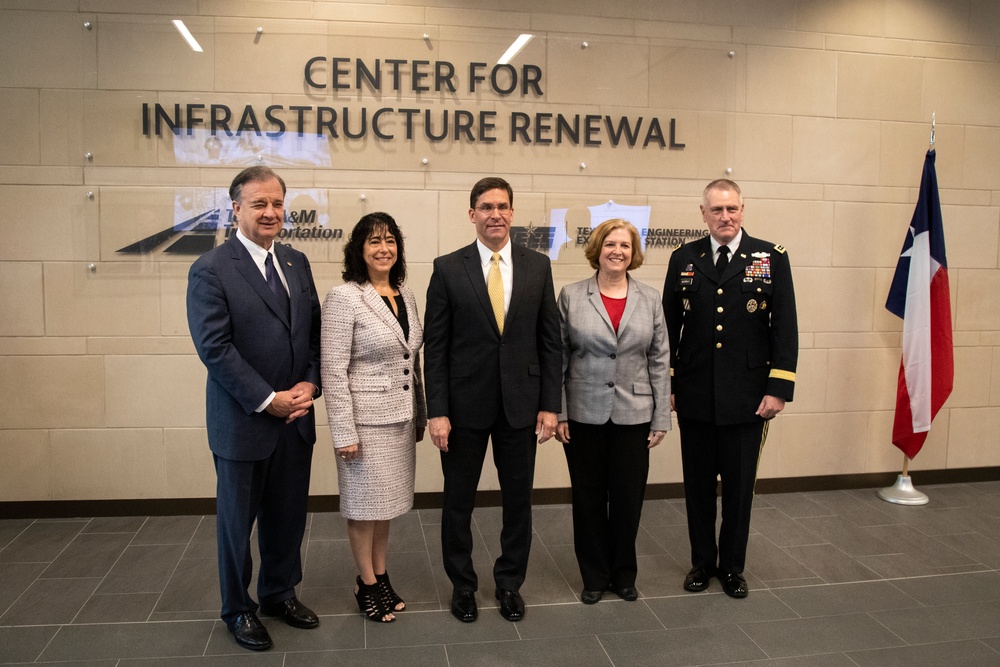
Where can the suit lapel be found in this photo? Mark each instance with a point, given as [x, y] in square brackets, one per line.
[474, 268]
[374, 301]
[598, 303]
[630, 305]
[251, 273]
[703, 259]
[518, 279]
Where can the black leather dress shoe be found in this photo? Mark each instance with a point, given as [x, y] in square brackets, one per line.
[591, 597]
[463, 606]
[250, 633]
[511, 605]
[627, 593]
[697, 580]
[293, 612]
[734, 585]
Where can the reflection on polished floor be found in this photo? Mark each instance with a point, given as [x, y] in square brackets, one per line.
[837, 578]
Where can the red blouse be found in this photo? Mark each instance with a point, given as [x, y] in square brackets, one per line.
[615, 308]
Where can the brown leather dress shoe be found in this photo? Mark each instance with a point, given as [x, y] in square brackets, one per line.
[293, 612]
[250, 633]
[511, 605]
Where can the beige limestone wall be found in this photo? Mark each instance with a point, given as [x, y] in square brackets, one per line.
[821, 109]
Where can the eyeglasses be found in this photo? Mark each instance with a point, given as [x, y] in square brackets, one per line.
[501, 209]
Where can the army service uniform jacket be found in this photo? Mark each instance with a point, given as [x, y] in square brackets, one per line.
[734, 338]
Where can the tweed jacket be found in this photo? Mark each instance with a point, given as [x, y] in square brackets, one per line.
[373, 371]
[624, 377]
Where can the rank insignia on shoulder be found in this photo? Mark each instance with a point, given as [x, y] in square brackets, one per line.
[779, 249]
[761, 255]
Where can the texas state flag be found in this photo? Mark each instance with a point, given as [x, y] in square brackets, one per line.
[919, 294]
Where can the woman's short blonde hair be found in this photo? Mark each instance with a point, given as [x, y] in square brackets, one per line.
[592, 251]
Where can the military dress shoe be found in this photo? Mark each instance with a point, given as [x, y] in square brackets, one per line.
[250, 633]
[734, 585]
[591, 597]
[463, 606]
[627, 593]
[697, 580]
[511, 605]
[293, 612]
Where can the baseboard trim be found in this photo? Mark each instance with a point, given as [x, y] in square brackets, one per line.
[62, 509]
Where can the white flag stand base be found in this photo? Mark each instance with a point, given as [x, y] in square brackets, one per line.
[903, 493]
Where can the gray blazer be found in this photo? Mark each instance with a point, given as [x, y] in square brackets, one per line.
[623, 377]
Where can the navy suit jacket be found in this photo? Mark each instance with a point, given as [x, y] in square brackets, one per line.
[471, 372]
[250, 346]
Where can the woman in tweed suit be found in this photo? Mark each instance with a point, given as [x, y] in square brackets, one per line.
[616, 382]
[370, 365]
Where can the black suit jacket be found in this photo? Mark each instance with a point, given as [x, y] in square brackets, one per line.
[734, 338]
[470, 371]
[250, 346]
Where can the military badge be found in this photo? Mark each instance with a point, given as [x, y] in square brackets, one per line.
[752, 306]
[760, 268]
[763, 305]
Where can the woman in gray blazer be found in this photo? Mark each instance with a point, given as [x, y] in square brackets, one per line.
[370, 363]
[616, 384]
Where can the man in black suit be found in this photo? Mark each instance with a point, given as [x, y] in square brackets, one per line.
[255, 320]
[730, 311]
[492, 363]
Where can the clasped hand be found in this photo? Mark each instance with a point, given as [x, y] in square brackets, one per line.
[292, 403]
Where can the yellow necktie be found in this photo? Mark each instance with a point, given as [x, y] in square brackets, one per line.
[494, 284]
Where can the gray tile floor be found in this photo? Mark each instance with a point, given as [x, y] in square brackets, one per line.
[837, 578]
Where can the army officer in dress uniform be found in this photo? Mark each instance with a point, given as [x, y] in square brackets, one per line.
[730, 311]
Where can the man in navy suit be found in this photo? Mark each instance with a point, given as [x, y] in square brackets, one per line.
[255, 320]
[492, 365]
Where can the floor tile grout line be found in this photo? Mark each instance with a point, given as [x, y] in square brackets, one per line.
[173, 572]
[39, 575]
[104, 578]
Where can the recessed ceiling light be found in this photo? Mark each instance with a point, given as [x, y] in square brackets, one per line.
[188, 37]
[514, 48]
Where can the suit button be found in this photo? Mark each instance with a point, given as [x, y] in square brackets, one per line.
[406, 371]
[758, 289]
[406, 387]
[613, 355]
[718, 327]
[611, 384]
[719, 309]
[406, 355]
[718, 346]
[718, 291]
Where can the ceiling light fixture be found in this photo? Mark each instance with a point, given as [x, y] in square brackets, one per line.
[514, 48]
[188, 37]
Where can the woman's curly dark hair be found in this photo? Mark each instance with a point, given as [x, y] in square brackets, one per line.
[373, 224]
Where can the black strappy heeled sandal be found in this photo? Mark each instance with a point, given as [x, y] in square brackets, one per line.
[389, 597]
[370, 602]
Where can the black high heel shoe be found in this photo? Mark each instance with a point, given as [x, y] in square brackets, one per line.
[370, 602]
[389, 597]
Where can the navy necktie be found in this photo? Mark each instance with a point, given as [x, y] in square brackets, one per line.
[274, 282]
[723, 261]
